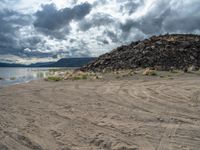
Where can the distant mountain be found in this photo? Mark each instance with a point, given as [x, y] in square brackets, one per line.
[43, 64]
[72, 62]
[11, 65]
[65, 62]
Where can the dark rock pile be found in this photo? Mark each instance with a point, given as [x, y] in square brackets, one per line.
[176, 51]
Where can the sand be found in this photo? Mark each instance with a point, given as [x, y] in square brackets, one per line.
[142, 114]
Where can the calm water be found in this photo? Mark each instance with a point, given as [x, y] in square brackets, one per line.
[10, 76]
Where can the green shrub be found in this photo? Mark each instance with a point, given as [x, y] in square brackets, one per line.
[153, 73]
[84, 77]
[76, 78]
[174, 71]
[162, 76]
[54, 78]
[80, 77]
[13, 78]
[55, 69]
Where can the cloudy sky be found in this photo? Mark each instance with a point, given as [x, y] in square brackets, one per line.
[47, 30]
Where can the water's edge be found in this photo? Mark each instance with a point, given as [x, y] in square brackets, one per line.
[13, 76]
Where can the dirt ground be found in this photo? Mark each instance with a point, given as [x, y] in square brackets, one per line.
[128, 114]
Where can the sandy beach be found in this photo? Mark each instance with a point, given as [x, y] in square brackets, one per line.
[142, 114]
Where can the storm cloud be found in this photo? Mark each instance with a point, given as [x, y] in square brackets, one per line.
[97, 20]
[52, 21]
[42, 30]
[167, 17]
[10, 24]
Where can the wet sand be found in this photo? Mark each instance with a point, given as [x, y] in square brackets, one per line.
[142, 114]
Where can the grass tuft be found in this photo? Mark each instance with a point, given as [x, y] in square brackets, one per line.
[54, 78]
[149, 72]
[13, 78]
[79, 75]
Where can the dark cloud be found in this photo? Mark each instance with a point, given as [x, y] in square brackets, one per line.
[101, 40]
[128, 25]
[149, 25]
[10, 23]
[97, 20]
[100, 2]
[80, 11]
[113, 36]
[164, 17]
[54, 22]
[186, 21]
[31, 42]
[105, 42]
[77, 52]
[130, 6]
[11, 43]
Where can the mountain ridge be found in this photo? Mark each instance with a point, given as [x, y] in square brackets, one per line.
[64, 62]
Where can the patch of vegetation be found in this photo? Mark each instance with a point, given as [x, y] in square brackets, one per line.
[55, 69]
[149, 72]
[174, 71]
[117, 77]
[123, 73]
[13, 78]
[79, 75]
[76, 78]
[197, 73]
[162, 76]
[54, 78]
[84, 77]
[72, 75]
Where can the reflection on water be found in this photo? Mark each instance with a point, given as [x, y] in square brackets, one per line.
[10, 76]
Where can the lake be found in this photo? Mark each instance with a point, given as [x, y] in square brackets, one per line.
[11, 76]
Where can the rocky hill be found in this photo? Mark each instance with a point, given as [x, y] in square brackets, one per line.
[178, 51]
